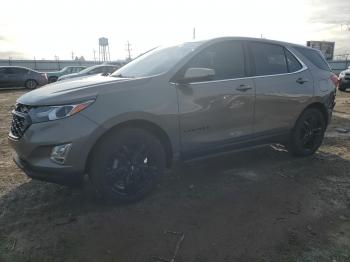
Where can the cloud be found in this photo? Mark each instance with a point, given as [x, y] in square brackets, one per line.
[12, 54]
[330, 11]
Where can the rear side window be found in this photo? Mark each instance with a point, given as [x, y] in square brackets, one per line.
[110, 69]
[315, 57]
[19, 71]
[226, 58]
[293, 63]
[269, 59]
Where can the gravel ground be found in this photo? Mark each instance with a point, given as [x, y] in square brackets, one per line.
[262, 205]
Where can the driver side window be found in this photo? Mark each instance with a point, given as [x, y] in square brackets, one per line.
[226, 58]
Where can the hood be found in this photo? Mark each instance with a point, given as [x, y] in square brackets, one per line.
[80, 89]
[346, 71]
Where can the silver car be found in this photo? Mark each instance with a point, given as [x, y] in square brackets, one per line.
[183, 102]
[92, 70]
[344, 80]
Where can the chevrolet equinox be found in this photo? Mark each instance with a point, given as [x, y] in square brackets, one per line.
[180, 102]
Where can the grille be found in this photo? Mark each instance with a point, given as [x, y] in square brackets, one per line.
[20, 120]
[22, 108]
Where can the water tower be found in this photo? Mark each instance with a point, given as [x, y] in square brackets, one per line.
[103, 50]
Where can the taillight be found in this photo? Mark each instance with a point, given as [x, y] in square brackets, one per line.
[335, 79]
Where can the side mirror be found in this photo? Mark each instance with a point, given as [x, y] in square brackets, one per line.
[197, 74]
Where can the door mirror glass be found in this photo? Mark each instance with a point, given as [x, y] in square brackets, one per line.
[198, 74]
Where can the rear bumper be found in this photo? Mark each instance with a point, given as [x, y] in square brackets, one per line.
[43, 82]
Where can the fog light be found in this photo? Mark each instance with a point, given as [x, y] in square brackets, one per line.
[59, 153]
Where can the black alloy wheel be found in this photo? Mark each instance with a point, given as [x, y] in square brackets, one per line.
[127, 166]
[308, 133]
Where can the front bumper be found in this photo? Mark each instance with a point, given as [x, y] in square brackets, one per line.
[32, 151]
[344, 83]
[59, 176]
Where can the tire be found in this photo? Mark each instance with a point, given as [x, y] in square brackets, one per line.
[126, 165]
[31, 84]
[343, 89]
[53, 79]
[308, 133]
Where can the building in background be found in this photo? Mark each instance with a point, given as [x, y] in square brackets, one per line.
[327, 48]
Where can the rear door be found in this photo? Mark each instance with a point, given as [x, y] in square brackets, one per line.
[283, 87]
[19, 76]
[215, 113]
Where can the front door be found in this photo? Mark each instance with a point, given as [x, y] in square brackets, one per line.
[216, 112]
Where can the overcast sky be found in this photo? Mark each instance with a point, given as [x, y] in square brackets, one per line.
[44, 28]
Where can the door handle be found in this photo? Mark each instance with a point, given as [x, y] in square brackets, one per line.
[301, 80]
[243, 88]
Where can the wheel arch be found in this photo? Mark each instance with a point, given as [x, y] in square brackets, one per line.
[319, 106]
[149, 126]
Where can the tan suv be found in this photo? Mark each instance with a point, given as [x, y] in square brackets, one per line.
[182, 102]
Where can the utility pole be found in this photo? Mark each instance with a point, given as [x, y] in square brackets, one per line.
[194, 33]
[94, 54]
[58, 62]
[72, 53]
[128, 46]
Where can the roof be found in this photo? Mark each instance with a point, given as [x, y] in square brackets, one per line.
[217, 39]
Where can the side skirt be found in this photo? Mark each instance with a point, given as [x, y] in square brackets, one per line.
[236, 145]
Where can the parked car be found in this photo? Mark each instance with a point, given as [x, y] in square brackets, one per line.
[344, 80]
[93, 70]
[53, 76]
[14, 76]
[175, 103]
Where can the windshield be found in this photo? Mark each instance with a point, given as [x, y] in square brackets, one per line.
[157, 61]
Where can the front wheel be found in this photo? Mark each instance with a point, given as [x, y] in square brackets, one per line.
[53, 79]
[308, 133]
[126, 165]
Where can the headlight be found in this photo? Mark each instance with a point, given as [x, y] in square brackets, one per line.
[49, 113]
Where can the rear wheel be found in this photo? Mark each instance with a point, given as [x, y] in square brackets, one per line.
[126, 165]
[308, 133]
[31, 84]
